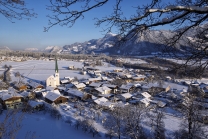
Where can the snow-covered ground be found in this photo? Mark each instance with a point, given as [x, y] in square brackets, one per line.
[41, 70]
[46, 127]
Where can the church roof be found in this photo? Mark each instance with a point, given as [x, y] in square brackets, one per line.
[56, 66]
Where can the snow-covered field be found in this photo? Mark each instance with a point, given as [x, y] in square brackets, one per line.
[40, 70]
[46, 127]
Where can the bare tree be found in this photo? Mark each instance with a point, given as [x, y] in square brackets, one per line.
[15, 9]
[181, 15]
[190, 127]
[115, 121]
[133, 116]
[157, 124]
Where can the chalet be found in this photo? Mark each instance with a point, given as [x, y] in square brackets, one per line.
[69, 78]
[103, 90]
[95, 79]
[71, 67]
[126, 88]
[139, 78]
[64, 81]
[113, 87]
[104, 102]
[80, 86]
[97, 72]
[86, 82]
[118, 70]
[35, 85]
[94, 85]
[126, 96]
[76, 93]
[146, 95]
[83, 72]
[36, 106]
[11, 100]
[145, 101]
[28, 95]
[52, 97]
[20, 86]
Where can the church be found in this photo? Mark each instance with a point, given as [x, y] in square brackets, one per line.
[54, 80]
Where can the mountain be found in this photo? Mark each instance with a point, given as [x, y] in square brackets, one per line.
[53, 49]
[148, 42]
[94, 45]
[5, 48]
[31, 49]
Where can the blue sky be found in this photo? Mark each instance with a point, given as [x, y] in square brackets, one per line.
[28, 34]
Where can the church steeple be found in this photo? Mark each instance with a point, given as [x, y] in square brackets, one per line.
[56, 66]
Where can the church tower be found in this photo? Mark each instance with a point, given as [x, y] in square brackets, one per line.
[57, 79]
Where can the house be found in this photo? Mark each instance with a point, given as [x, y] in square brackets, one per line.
[118, 70]
[95, 79]
[71, 67]
[76, 93]
[83, 72]
[145, 101]
[10, 99]
[52, 97]
[35, 85]
[64, 81]
[104, 102]
[20, 86]
[35, 105]
[54, 80]
[94, 85]
[146, 95]
[125, 96]
[80, 86]
[126, 88]
[28, 95]
[69, 78]
[113, 87]
[97, 72]
[103, 90]
[139, 78]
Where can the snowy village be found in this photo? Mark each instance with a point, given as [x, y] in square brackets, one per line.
[100, 101]
[104, 69]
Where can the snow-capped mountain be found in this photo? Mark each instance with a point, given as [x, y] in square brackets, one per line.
[5, 48]
[148, 42]
[31, 49]
[96, 45]
[53, 49]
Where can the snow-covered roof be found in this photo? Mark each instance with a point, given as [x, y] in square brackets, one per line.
[95, 79]
[34, 84]
[100, 100]
[5, 95]
[64, 81]
[33, 103]
[102, 89]
[76, 93]
[69, 78]
[165, 85]
[75, 82]
[25, 93]
[126, 86]
[146, 95]
[146, 101]
[52, 96]
[126, 95]
[95, 84]
[50, 88]
[110, 85]
[80, 85]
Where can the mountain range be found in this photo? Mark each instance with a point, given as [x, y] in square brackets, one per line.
[145, 43]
